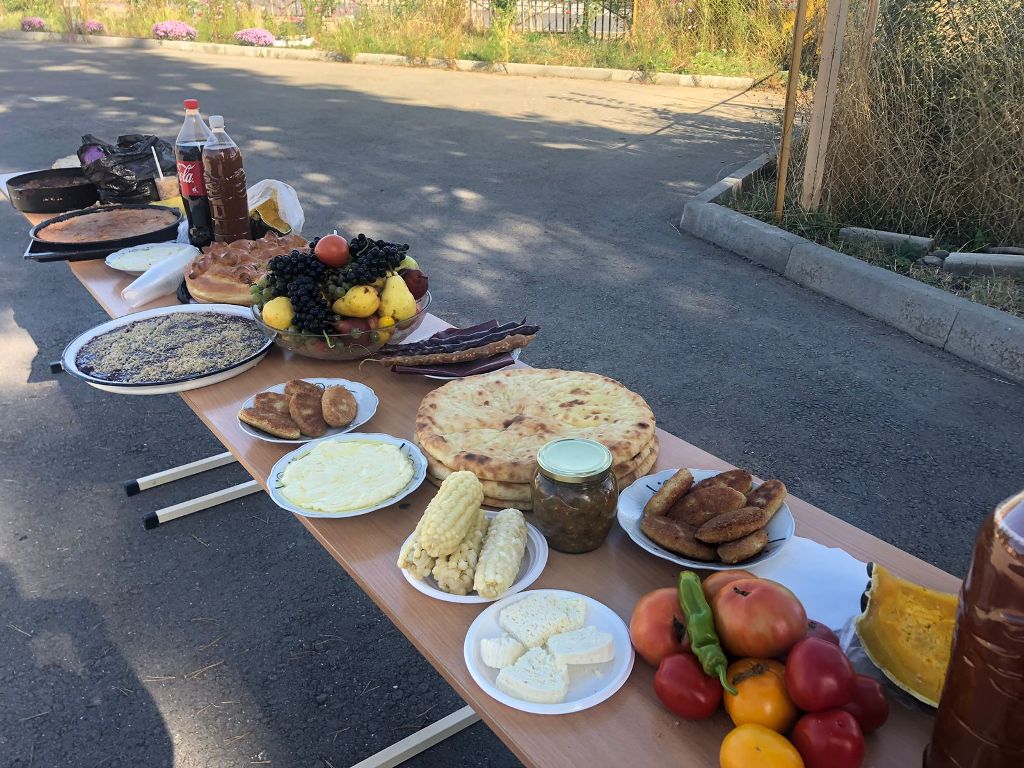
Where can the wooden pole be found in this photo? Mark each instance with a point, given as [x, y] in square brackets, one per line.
[824, 102]
[795, 57]
[871, 23]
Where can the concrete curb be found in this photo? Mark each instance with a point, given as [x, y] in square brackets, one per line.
[391, 60]
[973, 332]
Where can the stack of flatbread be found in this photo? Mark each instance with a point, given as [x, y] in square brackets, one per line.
[493, 425]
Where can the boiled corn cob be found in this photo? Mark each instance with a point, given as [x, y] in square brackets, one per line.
[412, 557]
[503, 550]
[451, 513]
[454, 573]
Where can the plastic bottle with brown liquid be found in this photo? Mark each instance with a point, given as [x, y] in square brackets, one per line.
[225, 185]
[980, 723]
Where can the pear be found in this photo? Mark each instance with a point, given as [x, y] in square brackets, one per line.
[396, 300]
[358, 301]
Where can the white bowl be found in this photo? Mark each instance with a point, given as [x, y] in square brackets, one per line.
[631, 511]
[410, 450]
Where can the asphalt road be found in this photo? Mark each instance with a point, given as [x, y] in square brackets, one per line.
[230, 637]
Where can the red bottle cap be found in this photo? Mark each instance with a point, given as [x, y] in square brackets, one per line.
[191, 103]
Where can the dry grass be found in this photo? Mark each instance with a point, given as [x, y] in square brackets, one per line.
[1005, 293]
[929, 139]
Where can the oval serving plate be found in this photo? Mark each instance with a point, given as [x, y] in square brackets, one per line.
[631, 511]
[419, 463]
[589, 684]
[68, 358]
[534, 559]
[366, 406]
[137, 259]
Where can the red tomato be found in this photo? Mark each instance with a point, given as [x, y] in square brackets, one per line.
[758, 617]
[713, 584]
[830, 739]
[656, 627]
[868, 705]
[332, 250]
[684, 689]
[817, 629]
[818, 675]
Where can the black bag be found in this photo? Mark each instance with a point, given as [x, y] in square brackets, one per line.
[124, 172]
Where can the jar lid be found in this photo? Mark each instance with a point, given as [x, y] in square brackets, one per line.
[574, 460]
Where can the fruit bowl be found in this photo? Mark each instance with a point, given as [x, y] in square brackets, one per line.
[344, 346]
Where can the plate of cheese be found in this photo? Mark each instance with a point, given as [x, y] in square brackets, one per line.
[549, 652]
[346, 475]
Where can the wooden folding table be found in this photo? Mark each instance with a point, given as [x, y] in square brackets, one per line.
[631, 728]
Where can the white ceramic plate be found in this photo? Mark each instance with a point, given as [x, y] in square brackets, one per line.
[71, 352]
[631, 509]
[589, 684]
[534, 559]
[137, 259]
[515, 358]
[419, 464]
[366, 406]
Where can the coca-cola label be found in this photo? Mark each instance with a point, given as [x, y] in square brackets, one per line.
[190, 177]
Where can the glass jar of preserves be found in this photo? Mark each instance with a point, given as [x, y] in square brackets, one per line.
[575, 494]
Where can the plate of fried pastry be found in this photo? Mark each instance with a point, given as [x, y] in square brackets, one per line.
[703, 518]
[301, 410]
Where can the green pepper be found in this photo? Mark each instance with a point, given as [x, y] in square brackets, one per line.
[700, 626]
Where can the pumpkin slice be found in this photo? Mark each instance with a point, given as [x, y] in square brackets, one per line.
[907, 632]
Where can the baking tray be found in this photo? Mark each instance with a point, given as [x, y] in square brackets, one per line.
[36, 251]
[163, 234]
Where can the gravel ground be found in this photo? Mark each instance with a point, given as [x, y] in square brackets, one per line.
[230, 637]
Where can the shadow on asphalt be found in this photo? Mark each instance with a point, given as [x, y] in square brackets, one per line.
[73, 687]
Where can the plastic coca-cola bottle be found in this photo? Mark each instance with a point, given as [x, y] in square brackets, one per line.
[188, 151]
[225, 185]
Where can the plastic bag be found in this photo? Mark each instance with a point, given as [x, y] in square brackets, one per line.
[160, 279]
[286, 200]
[124, 172]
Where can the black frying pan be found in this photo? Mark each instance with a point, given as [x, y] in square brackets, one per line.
[161, 235]
[49, 191]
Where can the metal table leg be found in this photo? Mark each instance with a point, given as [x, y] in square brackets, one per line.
[132, 487]
[422, 740]
[160, 516]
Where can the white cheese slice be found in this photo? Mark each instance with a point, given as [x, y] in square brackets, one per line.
[588, 645]
[535, 677]
[500, 652]
[535, 618]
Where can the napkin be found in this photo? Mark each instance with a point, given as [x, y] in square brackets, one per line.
[828, 581]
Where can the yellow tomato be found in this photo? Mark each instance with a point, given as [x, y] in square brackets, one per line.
[761, 696]
[754, 746]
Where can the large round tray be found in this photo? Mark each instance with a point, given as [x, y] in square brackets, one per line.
[161, 235]
[68, 358]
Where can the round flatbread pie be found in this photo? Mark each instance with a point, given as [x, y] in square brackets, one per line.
[494, 424]
[520, 492]
[525, 505]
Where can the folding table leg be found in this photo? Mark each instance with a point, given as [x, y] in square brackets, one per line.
[132, 487]
[160, 516]
[422, 740]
